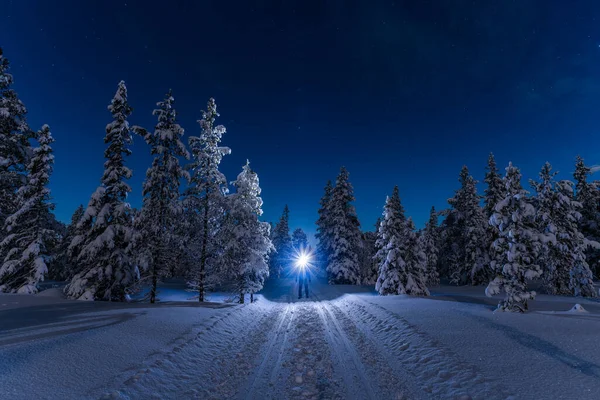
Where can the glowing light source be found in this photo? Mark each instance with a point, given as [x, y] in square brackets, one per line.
[303, 260]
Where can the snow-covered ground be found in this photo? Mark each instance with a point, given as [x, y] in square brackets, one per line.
[342, 343]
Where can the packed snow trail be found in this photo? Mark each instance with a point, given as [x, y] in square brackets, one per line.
[268, 350]
[334, 345]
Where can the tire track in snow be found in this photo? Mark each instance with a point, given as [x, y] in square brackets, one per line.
[272, 355]
[276, 368]
[393, 382]
[349, 364]
[46, 331]
[212, 364]
[311, 359]
[440, 372]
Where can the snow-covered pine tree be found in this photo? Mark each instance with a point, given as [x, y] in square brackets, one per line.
[413, 276]
[102, 247]
[570, 242]
[324, 228]
[162, 208]
[65, 266]
[15, 149]
[588, 195]
[250, 245]
[282, 243]
[429, 240]
[28, 239]
[401, 261]
[517, 246]
[391, 237]
[467, 235]
[342, 264]
[549, 216]
[562, 255]
[299, 239]
[205, 195]
[494, 191]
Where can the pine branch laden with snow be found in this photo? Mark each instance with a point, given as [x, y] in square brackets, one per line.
[428, 242]
[15, 149]
[344, 242]
[28, 243]
[466, 252]
[517, 247]
[324, 228]
[281, 258]
[248, 244]
[101, 247]
[205, 199]
[162, 209]
[402, 263]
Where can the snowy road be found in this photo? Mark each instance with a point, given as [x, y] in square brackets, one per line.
[334, 345]
[275, 350]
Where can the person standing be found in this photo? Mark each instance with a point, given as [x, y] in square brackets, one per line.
[303, 278]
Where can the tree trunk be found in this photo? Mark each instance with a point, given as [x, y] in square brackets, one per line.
[203, 253]
[242, 297]
[251, 297]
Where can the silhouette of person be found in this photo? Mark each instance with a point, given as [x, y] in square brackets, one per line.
[303, 278]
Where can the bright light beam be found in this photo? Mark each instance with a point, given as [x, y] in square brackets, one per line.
[303, 260]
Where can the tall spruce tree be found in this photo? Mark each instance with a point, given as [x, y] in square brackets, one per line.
[344, 242]
[550, 215]
[565, 269]
[282, 243]
[401, 261]
[249, 249]
[390, 245]
[162, 208]
[414, 279]
[517, 246]
[429, 241]
[494, 191]
[15, 149]
[571, 244]
[324, 228]
[466, 241]
[206, 194]
[588, 195]
[102, 249]
[27, 245]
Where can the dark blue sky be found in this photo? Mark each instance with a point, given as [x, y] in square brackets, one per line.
[402, 92]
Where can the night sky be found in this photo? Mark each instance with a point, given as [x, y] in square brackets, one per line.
[402, 92]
